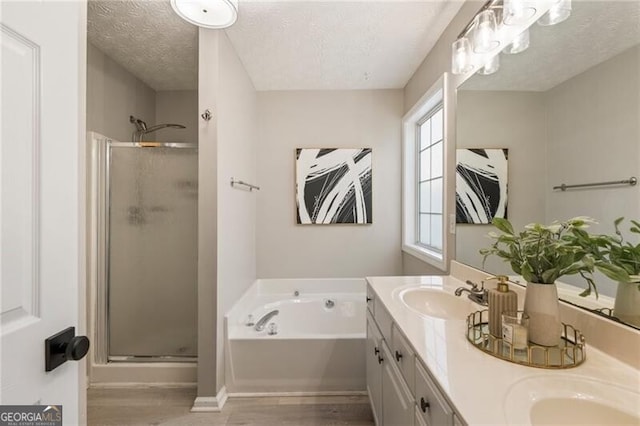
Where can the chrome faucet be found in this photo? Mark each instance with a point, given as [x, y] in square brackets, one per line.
[262, 322]
[477, 294]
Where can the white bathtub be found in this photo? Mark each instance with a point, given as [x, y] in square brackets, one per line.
[318, 348]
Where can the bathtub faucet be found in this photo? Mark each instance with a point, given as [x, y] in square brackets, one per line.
[262, 322]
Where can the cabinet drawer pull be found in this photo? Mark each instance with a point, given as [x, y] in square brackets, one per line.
[376, 351]
[398, 356]
[424, 405]
[380, 359]
[369, 299]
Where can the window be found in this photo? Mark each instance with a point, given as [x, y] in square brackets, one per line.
[424, 180]
[429, 144]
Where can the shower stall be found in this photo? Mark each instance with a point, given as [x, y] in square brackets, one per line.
[145, 206]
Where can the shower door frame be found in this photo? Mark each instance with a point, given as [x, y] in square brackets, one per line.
[102, 201]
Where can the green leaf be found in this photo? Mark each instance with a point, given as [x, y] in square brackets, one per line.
[550, 275]
[503, 224]
[614, 272]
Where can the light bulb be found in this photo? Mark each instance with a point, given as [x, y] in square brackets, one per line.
[517, 12]
[461, 56]
[559, 12]
[484, 34]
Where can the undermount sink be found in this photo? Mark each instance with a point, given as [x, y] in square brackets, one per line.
[436, 303]
[571, 400]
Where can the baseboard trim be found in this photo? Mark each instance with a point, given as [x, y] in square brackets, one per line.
[140, 385]
[210, 404]
[293, 394]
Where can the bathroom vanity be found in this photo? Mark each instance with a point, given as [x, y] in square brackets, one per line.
[421, 370]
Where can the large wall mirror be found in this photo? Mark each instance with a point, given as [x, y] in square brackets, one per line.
[564, 111]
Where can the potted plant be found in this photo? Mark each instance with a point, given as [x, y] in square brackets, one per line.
[620, 260]
[542, 254]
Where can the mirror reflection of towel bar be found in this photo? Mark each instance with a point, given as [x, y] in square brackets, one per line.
[251, 187]
[632, 181]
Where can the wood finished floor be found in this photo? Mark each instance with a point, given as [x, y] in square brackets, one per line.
[169, 406]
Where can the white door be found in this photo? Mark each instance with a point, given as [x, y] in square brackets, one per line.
[42, 199]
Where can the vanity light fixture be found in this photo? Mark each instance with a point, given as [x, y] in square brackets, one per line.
[491, 66]
[517, 12]
[519, 44]
[500, 23]
[559, 12]
[216, 14]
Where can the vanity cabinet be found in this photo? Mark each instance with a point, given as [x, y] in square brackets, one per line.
[374, 360]
[401, 391]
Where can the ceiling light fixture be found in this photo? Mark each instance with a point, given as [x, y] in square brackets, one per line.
[216, 14]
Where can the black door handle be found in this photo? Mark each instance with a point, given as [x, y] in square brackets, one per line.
[64, 346]
[380, 359]
[369, 299]
[376, 351]
[424, 405]
[398, 356]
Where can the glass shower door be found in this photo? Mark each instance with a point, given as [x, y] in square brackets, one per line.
[152, 252]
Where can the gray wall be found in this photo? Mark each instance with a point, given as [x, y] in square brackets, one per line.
[237, 144]
[207, 214]
[593, 123]
[113, 94]
[513, 120]
[179, 107]
[227, 216]
[318, 119]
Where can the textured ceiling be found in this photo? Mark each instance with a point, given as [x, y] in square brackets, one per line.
[595, 31]
[284, 45]
[337, 45]
[148, 39]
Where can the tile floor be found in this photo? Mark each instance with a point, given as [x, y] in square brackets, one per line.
[170, 406]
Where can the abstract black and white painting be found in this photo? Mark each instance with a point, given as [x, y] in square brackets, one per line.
[481, 185]
[333, 185]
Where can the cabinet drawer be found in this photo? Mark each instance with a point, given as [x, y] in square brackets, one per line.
[403, 356]
[383, 319]
[371, 297]
[432, 405]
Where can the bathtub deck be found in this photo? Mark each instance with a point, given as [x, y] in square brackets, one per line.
[160, 406]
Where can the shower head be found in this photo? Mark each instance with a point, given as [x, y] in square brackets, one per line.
[141, 126]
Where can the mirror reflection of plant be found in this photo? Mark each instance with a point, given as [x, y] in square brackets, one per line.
[544, 253]
[616, 258]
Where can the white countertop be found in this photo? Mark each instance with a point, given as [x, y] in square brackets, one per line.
[477, 383]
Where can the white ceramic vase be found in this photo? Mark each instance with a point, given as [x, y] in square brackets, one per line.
[541, 304]
[627, 304]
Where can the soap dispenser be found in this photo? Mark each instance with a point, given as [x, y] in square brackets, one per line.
[501, 299]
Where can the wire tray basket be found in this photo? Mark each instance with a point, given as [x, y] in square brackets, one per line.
[570, 353]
